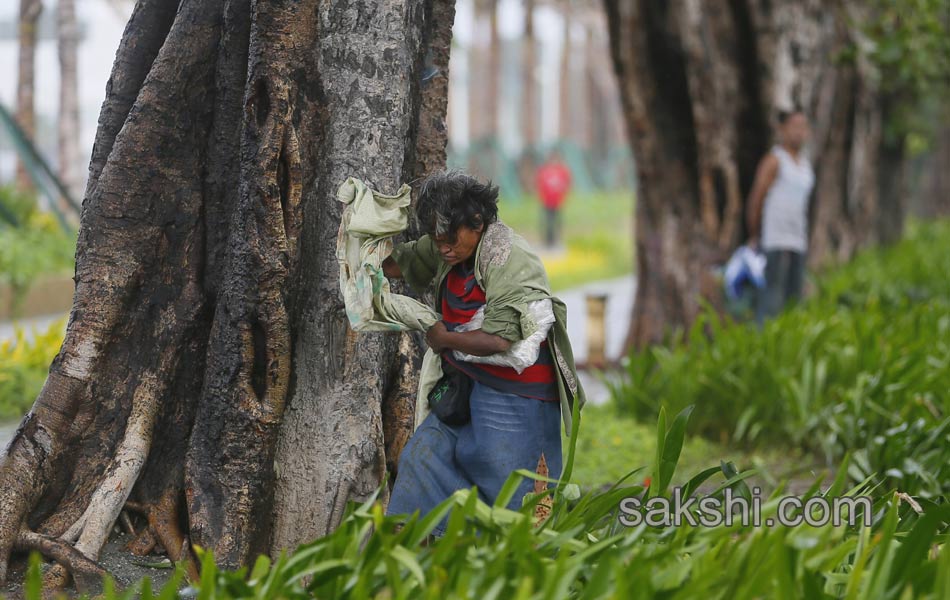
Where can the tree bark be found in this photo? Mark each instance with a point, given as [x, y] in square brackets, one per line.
[28, 20]
[700, 84]
[208, 381]
[332, 441]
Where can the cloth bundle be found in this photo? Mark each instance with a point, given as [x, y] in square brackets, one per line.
[523, 353]
[364, 240]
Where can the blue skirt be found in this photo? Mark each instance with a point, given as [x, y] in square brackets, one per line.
[506, 432]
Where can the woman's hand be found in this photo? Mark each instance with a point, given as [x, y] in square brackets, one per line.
[390, 268]
[435, 337]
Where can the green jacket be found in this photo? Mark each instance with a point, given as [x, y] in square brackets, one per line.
[512, 276]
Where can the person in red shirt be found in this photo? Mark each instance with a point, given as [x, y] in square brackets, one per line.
[553, 181]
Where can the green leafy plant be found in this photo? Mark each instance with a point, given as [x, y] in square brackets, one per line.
[35, 246]
[24, 365]
[864, 365]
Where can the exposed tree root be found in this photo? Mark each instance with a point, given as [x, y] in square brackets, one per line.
[163, 521]
[127, 523]
[163, 528]
[92, 529]
[85, 572]
[26, 466]
[143, 544]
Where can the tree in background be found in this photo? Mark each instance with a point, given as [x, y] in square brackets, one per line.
[209, 383]
[930, 197]
[486, 70]
[908, 43]
[565, 88]
[25, 115]
[701, 84]
[530, 109]
[68, 122]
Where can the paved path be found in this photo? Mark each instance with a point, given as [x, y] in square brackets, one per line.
[6, 433]
[620, 293]
[31, 325]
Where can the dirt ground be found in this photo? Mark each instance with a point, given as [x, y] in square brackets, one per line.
[125, 568]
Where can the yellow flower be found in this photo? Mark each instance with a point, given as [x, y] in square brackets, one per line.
[575, 260]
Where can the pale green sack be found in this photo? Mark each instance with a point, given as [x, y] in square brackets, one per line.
[369, 222]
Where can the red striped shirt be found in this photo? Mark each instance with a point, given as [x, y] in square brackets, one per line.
[461, 297]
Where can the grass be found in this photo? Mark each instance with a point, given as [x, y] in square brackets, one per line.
[611, 443]
[597, 233]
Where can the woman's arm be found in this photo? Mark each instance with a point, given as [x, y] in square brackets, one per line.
[476, 342]
[415, 261]
[764, 176]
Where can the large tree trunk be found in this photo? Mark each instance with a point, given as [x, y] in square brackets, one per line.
[847, 117]
[28, 19]
[700, 83]
[208, 380]
[68, 122]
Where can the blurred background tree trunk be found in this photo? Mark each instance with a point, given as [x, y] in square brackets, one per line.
[701, 85]
[530, 108]
[25, 115]
[68, 121]
[565, 110]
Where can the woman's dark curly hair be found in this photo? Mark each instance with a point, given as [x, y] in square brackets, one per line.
[450, 199]
[785, 115]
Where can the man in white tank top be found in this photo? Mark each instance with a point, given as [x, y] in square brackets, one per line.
[778, 212]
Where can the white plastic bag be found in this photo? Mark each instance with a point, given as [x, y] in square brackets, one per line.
[744, 266]
[523, 353]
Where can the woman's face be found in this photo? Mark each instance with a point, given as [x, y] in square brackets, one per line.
[459, 247]
[795, 130]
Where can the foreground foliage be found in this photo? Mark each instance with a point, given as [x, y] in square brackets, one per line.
[583, 551]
